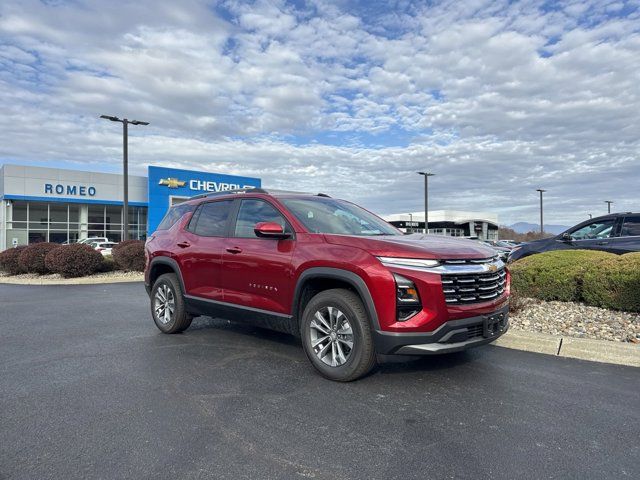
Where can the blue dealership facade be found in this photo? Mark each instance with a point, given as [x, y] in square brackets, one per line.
[56, 205]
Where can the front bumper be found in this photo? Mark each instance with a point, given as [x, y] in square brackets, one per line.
[452, 336]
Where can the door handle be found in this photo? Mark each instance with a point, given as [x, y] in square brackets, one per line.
[184, 244]
[234, 250]
[602, 243]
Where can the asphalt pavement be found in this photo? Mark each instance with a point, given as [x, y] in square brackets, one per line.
[89, 388]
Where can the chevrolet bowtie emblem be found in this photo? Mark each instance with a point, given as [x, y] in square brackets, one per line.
[172, 182]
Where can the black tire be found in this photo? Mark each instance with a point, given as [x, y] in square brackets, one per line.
[179, 320]
[361, 358]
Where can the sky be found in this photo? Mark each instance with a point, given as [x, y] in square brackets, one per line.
[349, 98]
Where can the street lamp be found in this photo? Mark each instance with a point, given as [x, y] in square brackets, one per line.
[541, 216]
[426, 199]
[125, 166]
[608, 202]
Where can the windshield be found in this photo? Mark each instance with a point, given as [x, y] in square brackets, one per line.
[327, 215]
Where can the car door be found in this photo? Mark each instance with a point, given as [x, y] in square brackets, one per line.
[200, 249]
[628, 239]
[257, 271]
[596, 235]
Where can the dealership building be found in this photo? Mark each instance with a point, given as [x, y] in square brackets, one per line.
[57, 205]
[454, 223]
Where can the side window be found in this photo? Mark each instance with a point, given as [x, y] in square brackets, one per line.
[595, 230]
[631, 227]
[255, 211]
[173, 215]
[212, 219]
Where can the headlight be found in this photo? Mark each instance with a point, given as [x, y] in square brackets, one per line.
[408, 262]
[407, 298]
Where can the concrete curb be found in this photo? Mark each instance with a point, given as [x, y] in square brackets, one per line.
[71, 281]
[603, 351]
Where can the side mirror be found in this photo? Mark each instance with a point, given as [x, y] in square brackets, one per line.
[565, 237]
[270, 230]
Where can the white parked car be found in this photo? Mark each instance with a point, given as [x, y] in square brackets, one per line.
[104, 247]
[91, 240]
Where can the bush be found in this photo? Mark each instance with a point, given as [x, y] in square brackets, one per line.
[555, 275]
[75, 260]
[9, 260]
[108, 265]
[32, 258]
[129, 255]
[614, 284]
[595, 278]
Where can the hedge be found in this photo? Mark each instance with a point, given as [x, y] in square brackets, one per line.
[32, 258]
[75, 260]
[595, 278]
[9, 260]
[614, 283]
[129, 255]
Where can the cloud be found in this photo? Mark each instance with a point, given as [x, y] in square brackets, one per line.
[498, 98]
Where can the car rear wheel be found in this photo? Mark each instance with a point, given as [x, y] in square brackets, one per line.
[167, 305]
[336, 335]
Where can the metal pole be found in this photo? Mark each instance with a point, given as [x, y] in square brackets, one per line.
[608, 202]
[541, 210]
[125, 166]
[426, 204]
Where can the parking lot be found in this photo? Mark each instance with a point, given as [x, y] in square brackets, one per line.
[90, 389]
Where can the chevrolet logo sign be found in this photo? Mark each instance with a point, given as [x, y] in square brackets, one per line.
[172, 182]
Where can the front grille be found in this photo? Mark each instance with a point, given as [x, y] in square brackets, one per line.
[473, 288]
[475, 331]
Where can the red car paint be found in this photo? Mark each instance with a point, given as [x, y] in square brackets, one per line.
[263, 273]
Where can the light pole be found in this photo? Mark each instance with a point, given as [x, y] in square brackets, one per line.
[541, 216]
[411, 222]
[125, 167]
[608, 202]
[426, 199]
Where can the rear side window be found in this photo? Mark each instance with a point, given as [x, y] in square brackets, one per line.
[173, 215]
[631, 227]
[212, 219]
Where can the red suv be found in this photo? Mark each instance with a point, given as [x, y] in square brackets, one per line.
[344, 280]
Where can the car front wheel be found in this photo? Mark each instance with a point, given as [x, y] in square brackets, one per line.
[336, 335]
[167, 305]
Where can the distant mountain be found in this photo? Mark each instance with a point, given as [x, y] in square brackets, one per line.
[524, 227]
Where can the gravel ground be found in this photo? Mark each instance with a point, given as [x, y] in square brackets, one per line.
[576, 320]
[32, 278]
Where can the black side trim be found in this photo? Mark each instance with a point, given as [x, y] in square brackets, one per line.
[166, 261]
[336, 273]
[229, 311]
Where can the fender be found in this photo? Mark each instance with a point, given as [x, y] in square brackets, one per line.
[170, 262]
[351, 278]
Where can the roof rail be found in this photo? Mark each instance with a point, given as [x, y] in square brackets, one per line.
[227, 192]
[323, 195]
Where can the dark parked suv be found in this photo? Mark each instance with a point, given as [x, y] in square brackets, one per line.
[345, 281]
[615, 233]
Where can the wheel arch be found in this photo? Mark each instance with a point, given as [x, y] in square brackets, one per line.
[161, 265]
[317, 279]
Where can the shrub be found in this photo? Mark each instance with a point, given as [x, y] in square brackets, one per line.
[9, 260]
[556, 275]
[108, 265]
[130, 256]
[75, 260]
[32, 258]
[614, 284]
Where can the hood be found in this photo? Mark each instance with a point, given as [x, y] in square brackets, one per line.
[415, 246]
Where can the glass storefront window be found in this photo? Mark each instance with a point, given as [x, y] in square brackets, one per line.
[38, 216]
[114, 215]
[58, 213]
[20, 211]
[74, 212]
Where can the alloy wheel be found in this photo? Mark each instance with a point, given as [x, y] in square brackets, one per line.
[331, 336]
[164, 304]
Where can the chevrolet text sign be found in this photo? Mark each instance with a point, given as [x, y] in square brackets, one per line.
[166, 184]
